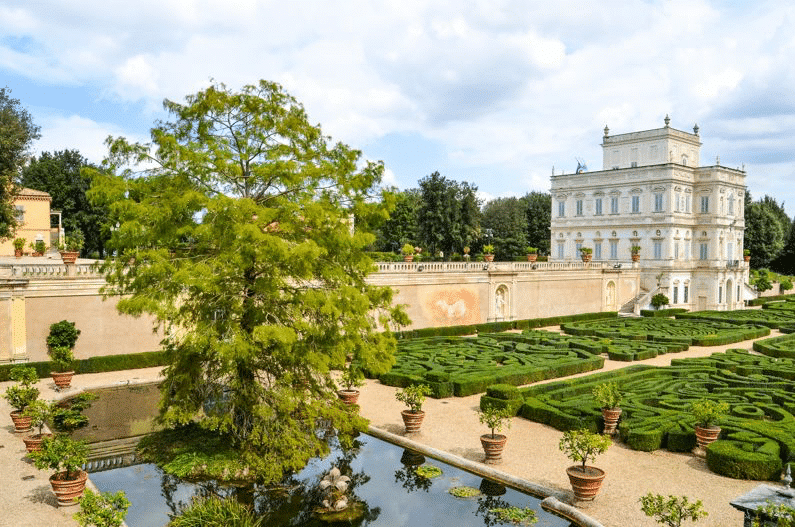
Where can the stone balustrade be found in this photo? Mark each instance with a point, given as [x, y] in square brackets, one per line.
[467, 267]
[47, 270]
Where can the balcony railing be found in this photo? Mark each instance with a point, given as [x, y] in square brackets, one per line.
[469, 267]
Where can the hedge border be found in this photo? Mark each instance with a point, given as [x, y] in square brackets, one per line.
[130, 361]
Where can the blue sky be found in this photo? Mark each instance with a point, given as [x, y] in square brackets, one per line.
[491, 92]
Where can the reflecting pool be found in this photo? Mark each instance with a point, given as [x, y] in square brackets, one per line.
[382, 475]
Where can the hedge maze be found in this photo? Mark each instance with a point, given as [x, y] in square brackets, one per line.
[783, 346]
[758, 434]
[464, 366]
[772, 315]
[668, 331]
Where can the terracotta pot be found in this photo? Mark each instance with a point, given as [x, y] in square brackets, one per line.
[635, 257]
[33, 443]
[585, 484]
[349, 397]
[69, 257]
[21, 422]
[747, 258]
[63, 379]
[493, 446]
[412, 420]
[412, 458]
[18, 253]
[408, 257]
[586, 257]
[706, 436]
[488, 257]
[37, 254]
[532, 257]
[68, 490]
[611, 416]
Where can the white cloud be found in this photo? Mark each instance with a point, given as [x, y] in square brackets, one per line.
[72, 132]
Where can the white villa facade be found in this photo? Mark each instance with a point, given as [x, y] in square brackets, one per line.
[652, 193]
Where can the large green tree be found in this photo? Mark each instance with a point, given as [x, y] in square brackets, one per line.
[766, 228]
[401, 227]
[59, 174]
[538, 209]
[505, 220]
[785, 261]
[449, 215]
[17, 132]
[234, 232]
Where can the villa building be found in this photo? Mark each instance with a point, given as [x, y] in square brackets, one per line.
[32, 209]
[685, 221]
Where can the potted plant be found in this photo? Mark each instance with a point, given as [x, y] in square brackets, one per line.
[64, 456]
[60, 342]
[635, 252]
[583, 446]
[102, 510]
[493, 444]
[466, 253]
[747, 255]
[70, 249]
[39, 412]
[707, 414]
[413, 396]
[352, 378]
[488, 253]
[20, 395]
[408, 252]
[586, 253]
[19, 244]
[39, 247]
[532, 254]
[608, 396]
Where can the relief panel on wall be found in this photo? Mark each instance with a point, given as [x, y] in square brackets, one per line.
[452, 306]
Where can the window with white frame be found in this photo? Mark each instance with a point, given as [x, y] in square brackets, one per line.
[579, 207]
[704, 204]
[561, 250]
[658, 202]
[614, 205]
[684, 294]
[703, 253]
[561, 209]
[676, 294]
[614, 250]
[597, 250]
[635, 203]
[598, 205]
[578, 247]
[658, 250]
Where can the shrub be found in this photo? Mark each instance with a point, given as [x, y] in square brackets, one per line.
[413, 396]
[62, 334]
[785, 284]
[659, 300]
[671, 510]
[495, 418]
[758, 460]
[102, 510]
[505, 392]
[216, 512]
[708, 412]
[62, 358]
[60, 454]
[583, 445]
[607, 395]
[19, 244]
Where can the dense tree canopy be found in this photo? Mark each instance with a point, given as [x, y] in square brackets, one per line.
[17, 132]
[234, 231]
[766, 228]
[401, 227]
[449, 214]
[538, 206]
[505, 220]
[59, 174]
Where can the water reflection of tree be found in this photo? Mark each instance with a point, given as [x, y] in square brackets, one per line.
[410, 480]
[486, 504]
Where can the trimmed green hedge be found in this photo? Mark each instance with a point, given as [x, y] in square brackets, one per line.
[764, 299]
[496, 327]
[663, 313]
[97, 364]
[755, 459]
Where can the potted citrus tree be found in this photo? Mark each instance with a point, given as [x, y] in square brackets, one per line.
[413, 396]
[19, 245]
[70, 249]
[493, 444]
[532, 254]
[608, 396]
[634, 251]
[351, 379]
[60, 342]
[707, 414]
[39, 247]
[65, 457]
[408, 252]
[20, 395]
[39, 412]
[586, 253]
[582, 446]
[747, 255]
[488, 253]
